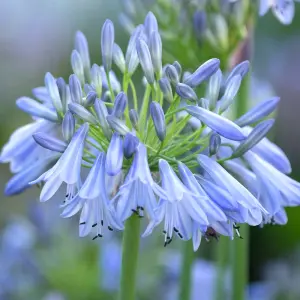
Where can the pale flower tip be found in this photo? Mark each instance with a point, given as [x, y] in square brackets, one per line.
[107, 43]
[150, 24]
[77, 65]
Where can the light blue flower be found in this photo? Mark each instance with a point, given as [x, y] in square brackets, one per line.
[271, 153]
[249, 208]
[187, 210]
[92, 198]
[275, 189]
[67, 169]
[138, 191]
[21, 150]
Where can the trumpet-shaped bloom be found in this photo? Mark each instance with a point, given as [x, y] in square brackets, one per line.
[187, 211]
[138, 190]
[276, 190]
[271, 153]
[68, 167]
[249, 207]
[92, 198]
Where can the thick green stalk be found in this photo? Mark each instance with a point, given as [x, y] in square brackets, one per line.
[222, 253]
[130, 246]
[186, 271]
[240, 263]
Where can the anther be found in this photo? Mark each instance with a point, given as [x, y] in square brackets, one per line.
[94, 225]
[109, 228]
[102, 222]
[180, 235]
[82, 223]
[175, 229]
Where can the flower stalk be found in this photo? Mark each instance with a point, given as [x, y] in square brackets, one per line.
[130, 253]
[186, 271]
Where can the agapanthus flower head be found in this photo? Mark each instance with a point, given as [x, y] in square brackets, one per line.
[174, 156]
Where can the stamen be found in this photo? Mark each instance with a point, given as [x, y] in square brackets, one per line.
[82, 223]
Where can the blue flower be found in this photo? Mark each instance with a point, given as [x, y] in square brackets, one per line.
[21, 151]
[92, 198]
[249, 209]
[187, 210]
[275, 189]
[271, 153]
[138, 190]
[67, 169]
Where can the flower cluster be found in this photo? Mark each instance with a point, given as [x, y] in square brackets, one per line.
[173, 157]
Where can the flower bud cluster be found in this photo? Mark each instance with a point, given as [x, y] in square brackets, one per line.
[169, 155]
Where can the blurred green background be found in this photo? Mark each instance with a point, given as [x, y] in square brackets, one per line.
[37, 36]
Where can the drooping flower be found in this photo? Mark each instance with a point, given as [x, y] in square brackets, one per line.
[92, 199]
[67, 169]
[138, 191]
[187, 210]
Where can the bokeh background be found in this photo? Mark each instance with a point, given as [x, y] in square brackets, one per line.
[41, 256]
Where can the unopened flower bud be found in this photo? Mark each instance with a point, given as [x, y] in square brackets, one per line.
[75, 89]
[119, 58]
[107, 43]
[68, 126]
[119, 105]
[77, 65]
[203, 72]
[82, 113]
[158, 118]
[166, 89]
[52, 88]
[130, 144]
[145, 60]
[49, 142]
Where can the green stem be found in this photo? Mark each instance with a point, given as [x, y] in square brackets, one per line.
[144, 110]
[131, 243]
[186, 271]
[135, 100]
[240, 263]
[222, 249]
